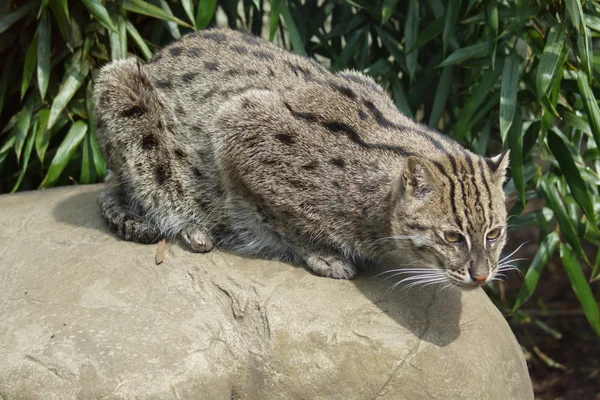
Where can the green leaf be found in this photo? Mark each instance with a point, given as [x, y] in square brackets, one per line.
[542, 256]
[591, 106]
[25, 163]
[87, 172]
[297, 43]
[411, 33]
[508, 98]
[99, 12]
[205, 13]
[441, 96]
[11, 18]
[465, 53]
[99, 162]
[387, 9]
[30, 61]
[566, 226]
[43, 54]
[450, 22]
[42, 135]
[138, 40]
[171, 26]
[551, 60]
[188, 6]
[400, 97]
[515, 144]
[22, 127]
[429, 33]
[571, 173]
[581, 287]
[75, 76]
[144, 8]
[391, 44]
[118, 40]
[64, 152]
[274, 17]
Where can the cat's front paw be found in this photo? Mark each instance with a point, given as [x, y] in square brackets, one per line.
[198, 240]
[331, 266]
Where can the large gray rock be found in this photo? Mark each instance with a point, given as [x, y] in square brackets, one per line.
[86, 315]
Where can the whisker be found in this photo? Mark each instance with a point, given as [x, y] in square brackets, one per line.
[518, 248]
[513, 260]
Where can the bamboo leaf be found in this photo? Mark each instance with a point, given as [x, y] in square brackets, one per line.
[545, 250]
[205, 13]
[11, 18]
[566, 226]
[43, 54]
[144, 8]
[551, 60]
[441, 96]
[387, 9]
[591, 106]
[26, 156]
[118, 40]
[411, 33]
[74, 78]
[138, 40]
[99, 162]
[171, 26]
[515, 144]
[22, 127]
[30, 62]
[450, 22]
[87, 172]
[508, 98]
[99, 12]
[465, 53]
[580, 286]
[42, 135]
[295, 39]
[400, 97]
[578, 187]
[274, 16]
[188, 6]
[64, 152]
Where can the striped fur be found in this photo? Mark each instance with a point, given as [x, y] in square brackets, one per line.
[223, 138]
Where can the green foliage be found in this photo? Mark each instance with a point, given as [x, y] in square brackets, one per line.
[520, 75]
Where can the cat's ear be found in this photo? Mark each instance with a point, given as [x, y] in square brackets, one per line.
[498, 165]
[418, 178]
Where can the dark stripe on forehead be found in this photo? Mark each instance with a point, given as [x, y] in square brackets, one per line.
[462, 189]
[484, 182]
[473, 180]
[442, 170]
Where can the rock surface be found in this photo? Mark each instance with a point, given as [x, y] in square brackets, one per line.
[86, 315]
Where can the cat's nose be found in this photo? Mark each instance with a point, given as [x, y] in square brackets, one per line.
[478, 278]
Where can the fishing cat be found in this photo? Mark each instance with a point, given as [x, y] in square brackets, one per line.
[225, 139]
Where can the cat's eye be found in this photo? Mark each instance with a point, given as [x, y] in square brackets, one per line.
[493, 234]
[453, 237]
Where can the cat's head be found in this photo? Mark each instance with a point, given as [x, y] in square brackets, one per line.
[449, 214]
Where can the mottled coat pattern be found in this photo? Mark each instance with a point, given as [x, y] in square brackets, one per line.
[223, 138]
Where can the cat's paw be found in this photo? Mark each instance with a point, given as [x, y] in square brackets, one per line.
[331, 266]
[198, 240]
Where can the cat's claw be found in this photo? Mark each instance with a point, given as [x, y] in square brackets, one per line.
[331, 266]
[198, 240]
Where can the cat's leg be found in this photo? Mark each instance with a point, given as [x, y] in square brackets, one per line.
[141, 140]
[124, 222]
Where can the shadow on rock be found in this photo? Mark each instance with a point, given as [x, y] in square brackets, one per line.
[432, 313]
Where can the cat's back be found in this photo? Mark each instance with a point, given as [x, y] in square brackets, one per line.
[210, 66]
